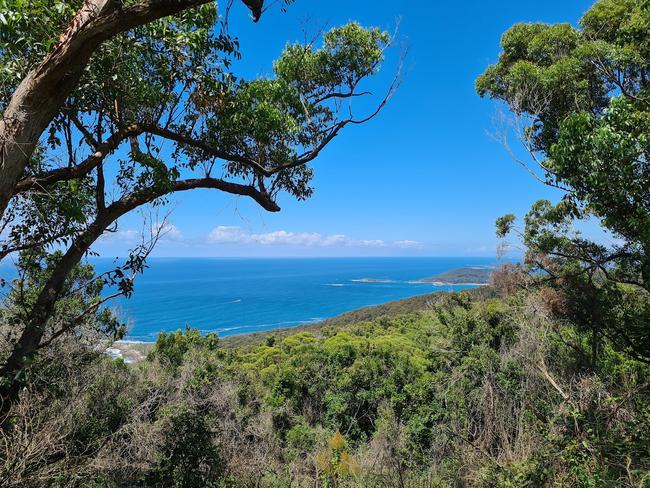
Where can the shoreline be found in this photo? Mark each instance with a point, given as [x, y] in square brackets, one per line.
[129, 351]
[305, 323]
[446, 283]
[134, 351]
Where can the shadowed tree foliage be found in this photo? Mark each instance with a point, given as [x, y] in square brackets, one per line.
[583, 95]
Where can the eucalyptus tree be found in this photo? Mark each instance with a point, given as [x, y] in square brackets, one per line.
[45, 49]
[158, 110]
[584, 97]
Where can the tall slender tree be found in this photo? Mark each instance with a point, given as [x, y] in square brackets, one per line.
[583, 95]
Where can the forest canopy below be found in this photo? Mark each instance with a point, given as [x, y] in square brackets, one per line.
[484, 387]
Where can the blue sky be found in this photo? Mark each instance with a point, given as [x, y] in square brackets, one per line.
[423, 178]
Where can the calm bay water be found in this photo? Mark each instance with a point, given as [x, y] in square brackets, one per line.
[237, 296]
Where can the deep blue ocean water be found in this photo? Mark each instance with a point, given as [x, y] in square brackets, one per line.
[236, 296]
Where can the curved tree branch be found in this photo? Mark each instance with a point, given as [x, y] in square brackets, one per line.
[81, 170]
[33, 333]
[43, 91]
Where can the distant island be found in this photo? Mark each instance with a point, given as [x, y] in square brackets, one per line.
[461, 276]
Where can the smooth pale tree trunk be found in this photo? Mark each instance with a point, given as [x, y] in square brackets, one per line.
[30, 112]
[41, 94]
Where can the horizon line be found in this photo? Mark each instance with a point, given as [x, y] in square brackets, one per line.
[316, 257]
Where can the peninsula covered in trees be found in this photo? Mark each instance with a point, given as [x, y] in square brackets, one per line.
[540, 379]
[462, 276]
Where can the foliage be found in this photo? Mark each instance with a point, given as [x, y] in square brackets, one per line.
[29, 30]
[335, 462]
[541, 380]
[188, 457]
[468, 390]
[584, 96]
[172, 347]
[157, 109]
[173, 80]
[79, 308]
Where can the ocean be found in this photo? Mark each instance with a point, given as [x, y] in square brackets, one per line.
[243, 295]
[238, 296]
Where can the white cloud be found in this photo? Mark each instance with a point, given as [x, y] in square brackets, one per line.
[227, 235]
[335, 240]
[288, 238]
[406, 244]
[369, 243]
[168, 232]
[236, 235]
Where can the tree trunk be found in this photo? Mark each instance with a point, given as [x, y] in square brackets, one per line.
[42, 93]
[32, 335]
[35, 328]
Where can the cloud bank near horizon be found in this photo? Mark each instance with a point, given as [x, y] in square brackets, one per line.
[236, 235]
[238, 241]
[225, 237]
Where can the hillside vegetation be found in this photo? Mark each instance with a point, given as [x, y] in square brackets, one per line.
[398, 307]
[467, 390]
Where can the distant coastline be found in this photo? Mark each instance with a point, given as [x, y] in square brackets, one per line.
[470, 276]
[234, 297]
[136, 351]
[467, 276]
[133, 351]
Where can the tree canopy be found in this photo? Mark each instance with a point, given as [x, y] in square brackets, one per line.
[584, 96]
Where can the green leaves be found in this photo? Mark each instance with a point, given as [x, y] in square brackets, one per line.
[604, 160]
[28, 30]
[349, 53]
[273, 121]
[176, 73]
[171, 348]
[167, 91]
[505, 224]
[586, 95]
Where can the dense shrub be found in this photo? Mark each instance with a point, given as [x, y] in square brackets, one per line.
[468, 391]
